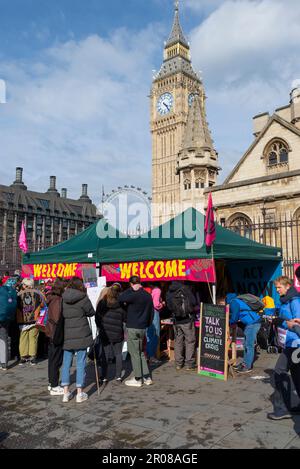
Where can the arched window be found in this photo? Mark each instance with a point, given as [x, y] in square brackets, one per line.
[277, 152]
[199, 184]
[187, 184]
[240, 224]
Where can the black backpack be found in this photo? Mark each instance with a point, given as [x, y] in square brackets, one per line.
[182, 307]
[253, 302]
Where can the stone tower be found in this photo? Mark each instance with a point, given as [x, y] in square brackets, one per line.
[177, 91]
[197, 163]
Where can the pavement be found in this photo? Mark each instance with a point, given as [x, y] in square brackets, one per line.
[181, 410]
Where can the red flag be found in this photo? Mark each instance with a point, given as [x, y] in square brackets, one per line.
[210, 227]
[22, 239]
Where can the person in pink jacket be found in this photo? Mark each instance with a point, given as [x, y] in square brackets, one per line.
[153, 332]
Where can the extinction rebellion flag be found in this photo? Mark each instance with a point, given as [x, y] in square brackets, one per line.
[210, 227]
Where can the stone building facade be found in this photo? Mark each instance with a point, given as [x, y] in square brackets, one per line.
[264, 187]
[261, 196]
[184, 161]
[50, 218]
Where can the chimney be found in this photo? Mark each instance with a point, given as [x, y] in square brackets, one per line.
[84, 195]
[52, 189]
[19, 179]
[84, 190]
[64, 193]
[19, 176]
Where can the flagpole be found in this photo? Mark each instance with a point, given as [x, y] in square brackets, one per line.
[214, 287]
[210, 236]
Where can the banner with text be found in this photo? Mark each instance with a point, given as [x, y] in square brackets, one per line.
[196, 270]
[52, 271]
[255, 277]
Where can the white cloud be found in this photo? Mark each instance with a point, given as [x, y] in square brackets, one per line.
[202, 6]
[80, 109]
[248, 51]
[85, 103]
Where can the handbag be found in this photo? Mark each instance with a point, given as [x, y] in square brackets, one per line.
[59, 333]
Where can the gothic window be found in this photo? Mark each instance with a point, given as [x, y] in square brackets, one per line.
[187, 184]
[277, 152]
[199, 184]
[240, 224]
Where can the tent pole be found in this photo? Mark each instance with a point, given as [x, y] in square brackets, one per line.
[214, 289]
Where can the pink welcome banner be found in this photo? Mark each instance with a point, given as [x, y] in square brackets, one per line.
[197, 270]
[52, 271]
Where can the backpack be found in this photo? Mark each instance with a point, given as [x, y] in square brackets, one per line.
[253, 302]
[181, 304]
[8, 304]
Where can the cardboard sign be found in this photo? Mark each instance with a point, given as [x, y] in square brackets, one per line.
[94, 293]
[197, 270]
[52, 271]
[213, 341]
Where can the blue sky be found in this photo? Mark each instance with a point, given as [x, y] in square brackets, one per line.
[78, 74]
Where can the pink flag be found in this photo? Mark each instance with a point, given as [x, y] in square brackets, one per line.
[22, 239]
[210, 227]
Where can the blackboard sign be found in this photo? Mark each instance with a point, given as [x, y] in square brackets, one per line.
[213, 341]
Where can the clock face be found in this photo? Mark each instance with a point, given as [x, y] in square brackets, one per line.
[191, 98]
[165, 104]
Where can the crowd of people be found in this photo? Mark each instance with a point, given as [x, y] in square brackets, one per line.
[134, 315]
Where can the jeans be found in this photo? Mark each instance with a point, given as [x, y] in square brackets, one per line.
[153, 335]
[250, 332]
[80, 367]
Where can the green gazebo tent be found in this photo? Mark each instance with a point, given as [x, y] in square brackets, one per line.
[169, 241]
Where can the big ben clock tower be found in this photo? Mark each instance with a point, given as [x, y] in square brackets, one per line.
[175, 89]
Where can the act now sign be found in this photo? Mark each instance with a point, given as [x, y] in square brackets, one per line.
[52, 271]
[197, 270]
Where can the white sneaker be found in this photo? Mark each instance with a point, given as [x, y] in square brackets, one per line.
[49, 387]
[58, 391]
[67, 397]
[133, 382]
[81, 397]
[148, 381]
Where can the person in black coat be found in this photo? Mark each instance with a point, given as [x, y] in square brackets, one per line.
[110, 317]
[77, 308]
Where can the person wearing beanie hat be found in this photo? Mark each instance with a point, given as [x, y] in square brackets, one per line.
[28, 283]
[29, 305]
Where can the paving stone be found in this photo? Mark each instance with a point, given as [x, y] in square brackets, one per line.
[172, 440]
[134, 435]
[294, 444]
[256, 434]
[181, 410]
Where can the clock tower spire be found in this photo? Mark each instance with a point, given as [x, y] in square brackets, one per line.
[173, 90]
